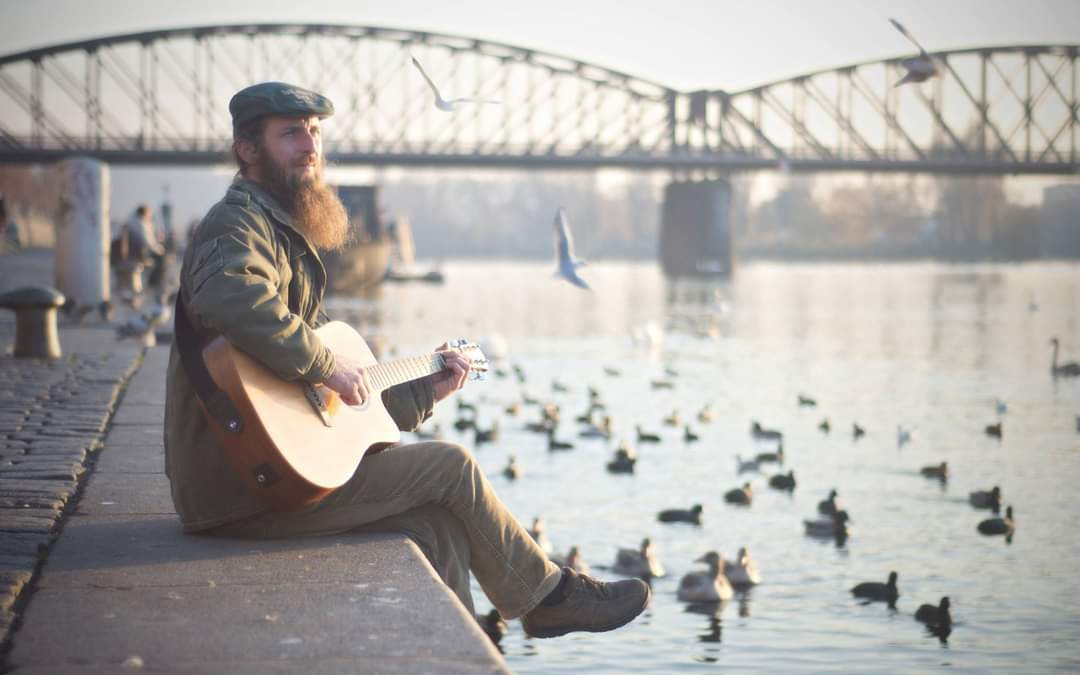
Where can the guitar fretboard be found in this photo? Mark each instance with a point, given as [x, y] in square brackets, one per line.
[390, 374]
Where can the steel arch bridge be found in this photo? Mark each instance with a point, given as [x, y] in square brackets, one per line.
[160, 98]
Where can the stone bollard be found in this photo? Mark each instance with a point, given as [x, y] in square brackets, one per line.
[35, 321]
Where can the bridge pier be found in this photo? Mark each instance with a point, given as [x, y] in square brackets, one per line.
[695, 229]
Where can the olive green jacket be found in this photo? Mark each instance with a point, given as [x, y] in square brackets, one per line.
[250, 275]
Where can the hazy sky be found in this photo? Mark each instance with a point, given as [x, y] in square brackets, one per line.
[686, 44]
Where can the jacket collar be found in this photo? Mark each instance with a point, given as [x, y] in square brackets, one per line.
[265, 200]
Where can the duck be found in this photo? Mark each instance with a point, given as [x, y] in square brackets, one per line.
[624, 461]
[824, 425]
[587, 416]
[645, 436]
[691, 515]
[689, 436]
[1005, 526]
[489, 435]
[1070, 369]
[760, 432]
[939, 471]
[742, 572]
[464, 423]
[877, 591]
[555, 444]
[641, 562]
[513, 410]
[662, 384]
[935, 616]
[612, 371]
[539, 534]
[544, 426]
[601, 430]
[673, 420]
[857, 431]
[829, 505]
[710, 586]
[986, 499]
[572, 559]
[493, 625]
[993, 430]
[559, 387]
[742, 495]
[512, 470]
[746, 465]
[519, 373]
[705, 415]
[806, 401]
[463, 406]
[777, 456]
[835, 525]
[783, 481]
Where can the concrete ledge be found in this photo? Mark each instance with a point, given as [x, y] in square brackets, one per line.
[123, 588]
[119, 588]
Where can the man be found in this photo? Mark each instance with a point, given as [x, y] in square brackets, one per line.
[12, 236]
[252, 274]
[144, 244]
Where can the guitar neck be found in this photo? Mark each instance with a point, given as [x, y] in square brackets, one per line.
[392, 373]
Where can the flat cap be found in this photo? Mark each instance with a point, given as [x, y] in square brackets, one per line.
[277, 98]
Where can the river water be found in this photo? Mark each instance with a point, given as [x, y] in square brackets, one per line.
[924, 346]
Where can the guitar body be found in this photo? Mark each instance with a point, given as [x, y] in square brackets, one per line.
[285, 452]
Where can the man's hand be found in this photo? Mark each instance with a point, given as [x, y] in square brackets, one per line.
[454, 376]
[349, 380]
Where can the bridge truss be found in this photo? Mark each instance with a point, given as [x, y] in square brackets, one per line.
[161, 98]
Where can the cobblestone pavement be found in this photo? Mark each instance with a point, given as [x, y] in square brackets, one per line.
[53, 418]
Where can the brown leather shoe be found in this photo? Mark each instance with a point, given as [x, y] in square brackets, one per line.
[588, 605]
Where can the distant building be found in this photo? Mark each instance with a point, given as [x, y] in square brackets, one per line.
[1059, 229]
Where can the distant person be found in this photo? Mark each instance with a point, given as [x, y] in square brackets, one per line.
[252, 274]
[144, 246]
[12, 233]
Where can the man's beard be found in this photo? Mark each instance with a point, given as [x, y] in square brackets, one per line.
[314, 206]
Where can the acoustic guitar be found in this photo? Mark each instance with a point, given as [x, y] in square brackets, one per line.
[297, 442]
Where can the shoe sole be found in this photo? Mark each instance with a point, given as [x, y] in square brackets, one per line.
[602, 629]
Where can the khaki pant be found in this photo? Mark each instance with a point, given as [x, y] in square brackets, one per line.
[436, 494]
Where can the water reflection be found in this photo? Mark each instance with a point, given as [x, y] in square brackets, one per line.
[713, 632]
[706, 608]
[697, 306]
[942, 633]
[744, 602]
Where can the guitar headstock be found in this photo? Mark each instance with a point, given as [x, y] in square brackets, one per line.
[478, 363]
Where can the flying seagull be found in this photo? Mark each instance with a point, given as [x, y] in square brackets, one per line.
[919, 68]
[565, 263]
[440, 102]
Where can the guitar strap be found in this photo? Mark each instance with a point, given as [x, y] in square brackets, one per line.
[217, 405]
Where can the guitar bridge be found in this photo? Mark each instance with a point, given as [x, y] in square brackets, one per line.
[317, 401]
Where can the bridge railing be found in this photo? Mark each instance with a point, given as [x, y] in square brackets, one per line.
[162, 97]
